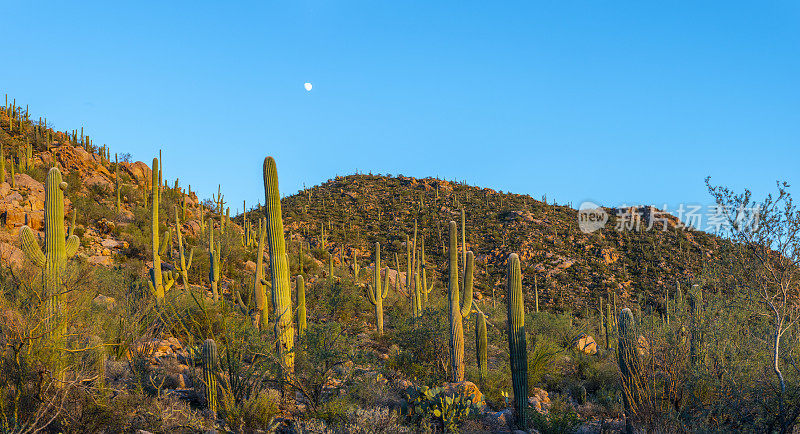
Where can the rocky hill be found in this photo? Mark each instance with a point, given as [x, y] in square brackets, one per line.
[570, 268]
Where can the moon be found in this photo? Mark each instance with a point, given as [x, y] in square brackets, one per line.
[308, 86]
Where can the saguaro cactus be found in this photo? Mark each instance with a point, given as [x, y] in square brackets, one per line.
[375, 293]
[57, 247]
[459, 307]
[356, 267]
[116, 183]
[279, 267]
[300, 287]
[480, 345]
[213, 259]
[159, 282]
[516, 338]
[259, 284]
[697, 341]
[210, 368]
[183, 266]
[410, 287]
[2, 164]
[424, 289]
[630, 365]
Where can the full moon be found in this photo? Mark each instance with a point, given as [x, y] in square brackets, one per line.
[308, 86]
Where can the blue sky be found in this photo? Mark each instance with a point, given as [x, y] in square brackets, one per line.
[615, 102]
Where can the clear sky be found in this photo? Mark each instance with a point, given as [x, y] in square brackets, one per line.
[615, 102]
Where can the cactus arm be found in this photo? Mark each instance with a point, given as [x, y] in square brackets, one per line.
[371, 294]
[71, 247]
[31, 247]
[466, 300]
[168, 280]
[385, 291]
[164, 239]
[191, 255]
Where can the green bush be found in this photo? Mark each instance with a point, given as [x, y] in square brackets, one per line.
[560, 419]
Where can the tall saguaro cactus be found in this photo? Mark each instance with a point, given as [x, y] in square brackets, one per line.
[116, 183]
[630, 365]
[57, 247]
[259, 284]
[214, 250]
[424, 289]
[516, 338]
[696, 343]
[410, 286]
[459, 306]
[375, 293]
[183, 266]
[279, 267]
[210, 368]
[159, 282]
[480, 346]
[300, 287]
[2, 164]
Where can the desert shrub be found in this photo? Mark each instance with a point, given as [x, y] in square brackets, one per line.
[541, 359]
[376, 420]
[424, 347]
[260, 409]
[322, 357]
[560, 419]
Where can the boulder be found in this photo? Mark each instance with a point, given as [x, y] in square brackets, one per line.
[101, 260]
[644, 346]
[585, 344]
[539, 400]
[104, 302]
[466, 388]
[11, 255]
